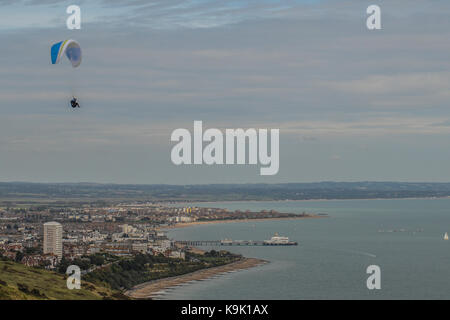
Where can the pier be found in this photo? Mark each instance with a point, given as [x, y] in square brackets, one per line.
[215, 243]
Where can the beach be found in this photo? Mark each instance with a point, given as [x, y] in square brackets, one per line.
[197, 223]
[148, 290]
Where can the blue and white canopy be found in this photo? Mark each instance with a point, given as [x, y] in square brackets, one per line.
[72, 50]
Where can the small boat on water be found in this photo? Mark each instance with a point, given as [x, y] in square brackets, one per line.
[446, 236]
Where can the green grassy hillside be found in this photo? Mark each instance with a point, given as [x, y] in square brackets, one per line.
[18, 282]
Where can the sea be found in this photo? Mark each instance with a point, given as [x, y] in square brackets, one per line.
[403, 237]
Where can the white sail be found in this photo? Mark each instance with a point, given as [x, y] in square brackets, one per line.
[446, 236]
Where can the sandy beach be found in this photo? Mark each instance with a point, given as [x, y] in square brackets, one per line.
[197, 223]
[150, 289]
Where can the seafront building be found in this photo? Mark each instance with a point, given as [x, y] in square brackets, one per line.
[53, 239]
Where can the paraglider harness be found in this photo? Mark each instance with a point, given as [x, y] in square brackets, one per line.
[74, 103]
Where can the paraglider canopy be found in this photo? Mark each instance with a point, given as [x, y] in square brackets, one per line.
[72, 50]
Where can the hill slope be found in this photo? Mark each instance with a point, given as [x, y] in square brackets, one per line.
[19, 282]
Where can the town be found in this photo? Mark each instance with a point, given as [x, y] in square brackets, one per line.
[45, 235]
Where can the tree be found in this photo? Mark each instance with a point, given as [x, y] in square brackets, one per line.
[19, 256]
[96, 259]
[63, 265]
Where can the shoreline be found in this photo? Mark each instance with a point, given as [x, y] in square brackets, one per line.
[197, 223]
[152, 289]
[298, 200]
[149, 290]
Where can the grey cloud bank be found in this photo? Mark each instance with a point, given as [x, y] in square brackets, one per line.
[369, 103]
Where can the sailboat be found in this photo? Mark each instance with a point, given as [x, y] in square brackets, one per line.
[446, 236]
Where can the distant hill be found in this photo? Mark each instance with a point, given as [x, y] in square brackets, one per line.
[19, 282]
[91, 192]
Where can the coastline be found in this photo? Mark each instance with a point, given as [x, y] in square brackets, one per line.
[197, 223]
[149, 290]
[298, 200]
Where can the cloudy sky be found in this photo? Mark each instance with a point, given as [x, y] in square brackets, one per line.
[351, 104]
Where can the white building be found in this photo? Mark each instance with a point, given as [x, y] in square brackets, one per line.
[177, 254]
[127, 229]
[181, 219]
[141, 247]
[53, 239]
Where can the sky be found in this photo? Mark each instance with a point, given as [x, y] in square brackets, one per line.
[351, 104]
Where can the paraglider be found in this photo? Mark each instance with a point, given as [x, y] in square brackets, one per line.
[72, 50]
[74, 103]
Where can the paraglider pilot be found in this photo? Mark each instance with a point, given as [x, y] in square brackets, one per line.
[74, 103]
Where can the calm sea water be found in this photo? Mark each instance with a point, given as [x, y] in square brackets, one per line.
[334, 252]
